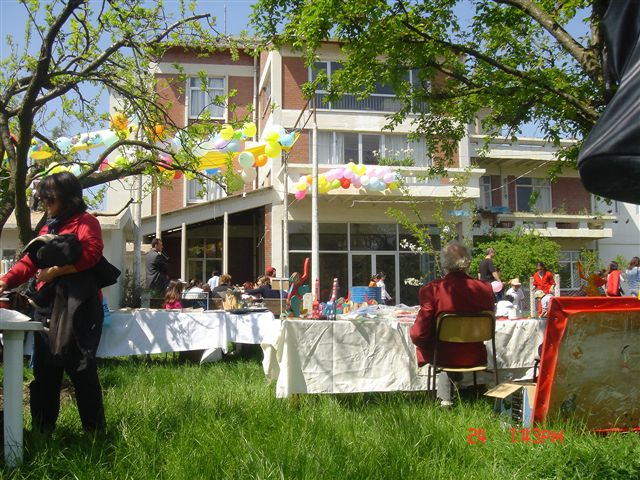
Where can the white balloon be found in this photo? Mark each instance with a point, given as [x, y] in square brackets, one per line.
[248, 175]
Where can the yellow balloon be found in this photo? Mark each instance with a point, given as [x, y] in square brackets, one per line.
[249, 129]
[272, 150]
[226, 132]
[119, 122]
[272, 136]
[301, 186]
[393, 185]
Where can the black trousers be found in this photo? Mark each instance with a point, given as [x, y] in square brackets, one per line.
[45, 388]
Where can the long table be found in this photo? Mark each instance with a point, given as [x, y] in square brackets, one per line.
[316, 356]
[137, 332]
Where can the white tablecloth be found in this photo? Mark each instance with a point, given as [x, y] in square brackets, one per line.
[314, 356]
[138, 332]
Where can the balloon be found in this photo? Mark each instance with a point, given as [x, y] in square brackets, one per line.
[233, 146]
[287, 140]
[261, 161]
[361, 170]
[388, 177]
[220, 143]
[301, 186]
[249, 129]
[272, 150]
[237, 135]
[246, 160]
[496, 286]
[309, 179]
[272, 136]
[177, 175]
[76, 169]
[300, 194]
[348, 173]
[104, 165]
[119, 122]
[248, 175]
[63, 144]
[393, 185]
[280, 129]
[212, 171]
[364, 180]
[226, 132]
[356, 182]
[335, 184]
[345, 183]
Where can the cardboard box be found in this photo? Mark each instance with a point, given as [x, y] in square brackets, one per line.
[515, 401]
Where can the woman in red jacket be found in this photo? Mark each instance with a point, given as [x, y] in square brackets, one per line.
[543, 282]
[61, 195]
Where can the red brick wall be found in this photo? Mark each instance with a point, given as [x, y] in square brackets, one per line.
[172, 92]
[170, 198]
[569, 194]
[300, 153]
[243, 98]
[496, 191]
[181, 55]
[294, 74]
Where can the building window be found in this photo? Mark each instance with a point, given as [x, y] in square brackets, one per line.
[533, 194]
[337, 148]
[382, 100]
[204, 255]
[485, 192]
[204, 192]
[208, 97]
[569, 279]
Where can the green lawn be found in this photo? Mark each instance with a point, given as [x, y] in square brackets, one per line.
[169, 420]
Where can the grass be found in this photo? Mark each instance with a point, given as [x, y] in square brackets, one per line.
[170, 420]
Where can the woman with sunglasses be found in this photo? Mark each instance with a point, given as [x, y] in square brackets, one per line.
[72, 350]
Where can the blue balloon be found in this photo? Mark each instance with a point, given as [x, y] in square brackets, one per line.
[212, 171]
[287, 140]
[63, 144]
[233, 146]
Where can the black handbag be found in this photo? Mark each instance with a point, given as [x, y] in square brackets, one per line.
[609, 161]
[105, 273]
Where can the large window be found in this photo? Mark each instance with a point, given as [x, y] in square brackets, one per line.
[343, 147]
[198, 192]
[569, 278]
[204, 255]
[485, 192]
[207, 97]
[533, 194]
[383, 99]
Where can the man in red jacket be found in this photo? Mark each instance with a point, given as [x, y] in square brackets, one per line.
[457, 292]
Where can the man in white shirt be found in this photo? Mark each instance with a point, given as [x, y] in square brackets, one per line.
[214, 280]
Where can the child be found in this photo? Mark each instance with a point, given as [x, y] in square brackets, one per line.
[173, 297]
[504, 306]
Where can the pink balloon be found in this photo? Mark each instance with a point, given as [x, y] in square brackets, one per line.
[348, 173]
[496, 286]
[300, 194]
[220, 143]
[356, 182]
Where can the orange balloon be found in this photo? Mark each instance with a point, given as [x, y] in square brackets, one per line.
[261, 160]
[119, 122]
[309, 179]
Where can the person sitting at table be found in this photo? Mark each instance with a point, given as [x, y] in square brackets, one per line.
[543, 281]
[224, 285]
[457, 292]
[193, 287]
[504, 306]
[264, 289]
[173, 297]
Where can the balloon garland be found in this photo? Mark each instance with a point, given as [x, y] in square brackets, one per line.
[213, 152]
[371, 178]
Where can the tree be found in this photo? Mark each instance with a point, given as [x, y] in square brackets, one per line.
[517, 254]
[83, 49]
[513, 61]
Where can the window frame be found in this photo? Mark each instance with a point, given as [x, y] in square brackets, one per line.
[197, 88]
[537, 184]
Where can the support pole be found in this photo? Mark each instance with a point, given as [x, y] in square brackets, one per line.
[225, 243]
[183, 253]
[158, 214]
[315, 243]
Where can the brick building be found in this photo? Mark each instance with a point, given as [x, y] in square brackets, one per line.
[244, 232]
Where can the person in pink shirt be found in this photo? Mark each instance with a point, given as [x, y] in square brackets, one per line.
[173, 297]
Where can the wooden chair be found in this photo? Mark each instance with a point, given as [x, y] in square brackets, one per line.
[464, 328]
